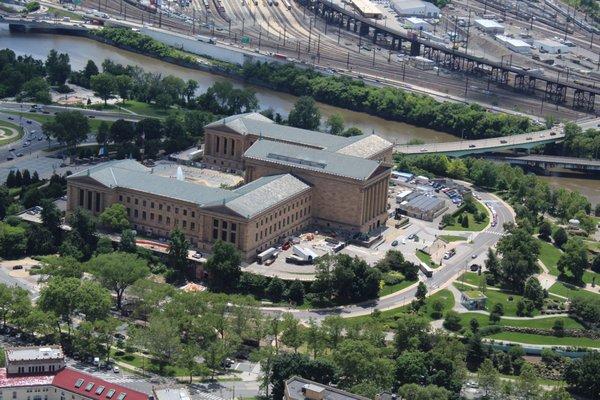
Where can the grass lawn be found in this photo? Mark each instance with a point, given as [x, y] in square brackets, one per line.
[147, 364]
[471, 278]
[452, 238]
[588, 276]
[549, 255]
[570, 291]
[546, 340]
[473, 226]
[426, 258]
[544, 323]
[41, 118]
[150, 110]
[64, 13]
[387, 289]
[19, 135]
[496, 296]
[388, 317]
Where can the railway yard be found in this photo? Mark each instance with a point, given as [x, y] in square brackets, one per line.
[292, 30]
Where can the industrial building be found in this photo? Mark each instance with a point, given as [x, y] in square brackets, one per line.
[516, 45]
[489, 26]
[423, 207]
[41, 374]
[367, 9]
[418, 24]
[288, 187]
[415, 8]
[298, 388]
[551, 46]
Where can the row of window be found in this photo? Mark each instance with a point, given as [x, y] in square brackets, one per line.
[145, 203]
[225, 142]
[282, 224]
[159, 219]
[35, 368]
[90, 196]
[280, 212]
[224, 230]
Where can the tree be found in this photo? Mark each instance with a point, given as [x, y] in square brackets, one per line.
[333, 327]
[83, 232]
[13, 242]
[37, 90]
[60, 267]
[117, 271]
[492, 264]
[51, 219]
[187, 359]
[224, 267]
[528, 386]
[160, 337]
[452, 321]
[114, 217]
[474, 325]
[276, 289]
[291, 334]
[315, 338]
[488, 378]
[413, 391]
[14, 301]
[103, 134]
[534, 292]
[128, 241]
[123, 84]
[90, 69]
[421, 293]
[465, 221]
[519, 252]
[447, 219]
[178, 251]
[67, 296]
[352, 131]
[545, 230]
[215, 355]
[410, 333]
[68, 127]
[39, 240]
[305, 114]
[560, 237]
[582, 375]
[596, 264]
[58, 67]
[104, 85]
[573, 259]
[335, 123]
[296, 292]
[122, 132]
[190, 89]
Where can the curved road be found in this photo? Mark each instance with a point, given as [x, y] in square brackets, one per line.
[441, 278]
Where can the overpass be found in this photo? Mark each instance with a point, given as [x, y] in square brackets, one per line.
[547, 162]
[466, 147]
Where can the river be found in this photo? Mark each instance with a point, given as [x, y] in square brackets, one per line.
[82, 49]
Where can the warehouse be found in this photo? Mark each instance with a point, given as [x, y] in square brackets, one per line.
[418, 24]
[423, 207]
[415, 8]
[551, 46]
[515, 45]
[489, 26]
[367, 9]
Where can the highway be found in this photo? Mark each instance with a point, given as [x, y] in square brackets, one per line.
[442, 277]
[522, 141]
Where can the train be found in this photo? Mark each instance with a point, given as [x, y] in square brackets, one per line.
[221, 10]
[146, 5]
[287, 4]
[206, 4]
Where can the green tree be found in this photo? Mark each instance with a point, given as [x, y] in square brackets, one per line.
[333, 327]
[276, 289]
[13, 241]
[161, 338]
[83, 232]
[421, 293]
[488, 378]
[545, 230]
[296, 292]
[305, 114]
[224, 267]
[519, 252]
[58, 67]
[104, 85]
[103, 133]
[114, 217]
[315, 338]
[51, 219]
[573, 259]
[291, 334]
[178, 251]
[215, 355]
[335, 124]
[582, 375]
[128, 241]
[187, 359]
[59, 267]
[560, 237]
[117, 271]
[104, 246]
[534, 292]
[411, 332]
[452, 321]
[413, 391]
[123, 85]
[528, 386]
[68, 127]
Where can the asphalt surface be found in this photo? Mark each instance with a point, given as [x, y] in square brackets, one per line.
[442, 276]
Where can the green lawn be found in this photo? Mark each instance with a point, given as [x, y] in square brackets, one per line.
[543, 323]
[471, 278]
[147, 364]
[150, 110]
[529, 338]
[19, 135]
[387, 289]
[549, 255]
[64, 13]
[452, 238]
[41, 118]
[496, 296]
[426, 258]
[473, 226]
[389, 316]
[562, 289]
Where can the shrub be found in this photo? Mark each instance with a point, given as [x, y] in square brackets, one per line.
[452, 321]
[393, 278]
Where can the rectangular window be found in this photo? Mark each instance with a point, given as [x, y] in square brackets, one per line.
[232, 237]
[152, 216]
[144, 215]
[256, 238]
[184, 212]
[218, 144]
[160, 206]
[176, 210]
[160, 218]
[193, 214]
[168, 208]
[216, 223]
[81, 197]
[128, 199]
[151, 204]
[233, 226]
[135, 213]
[120, 197]
[89, 200]
[184, 223]
[97, 202]
[224, 236]
[224, 224]
[168, 220]
[136, 201]
[128, 212]
[192, 225]
[215, 234]
[144, 203]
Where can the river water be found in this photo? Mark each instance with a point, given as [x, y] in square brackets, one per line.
[81, 49]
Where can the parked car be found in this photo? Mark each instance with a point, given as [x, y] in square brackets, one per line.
[395, 243]
[18, 266]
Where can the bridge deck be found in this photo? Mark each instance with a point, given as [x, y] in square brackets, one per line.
[557, 160]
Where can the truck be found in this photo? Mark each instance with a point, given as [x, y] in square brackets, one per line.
[206, 39]
[304, 253]
[267, 254]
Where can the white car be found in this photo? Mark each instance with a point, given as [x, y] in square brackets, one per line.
[116, 369]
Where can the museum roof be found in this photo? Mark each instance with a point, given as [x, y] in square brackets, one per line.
[365, 146]
[312, 159]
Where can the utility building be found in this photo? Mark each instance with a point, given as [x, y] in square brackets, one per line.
[489, 26]
[415, 8]
[516, 45]
[418, 24]
[367, 9]
[551, 46]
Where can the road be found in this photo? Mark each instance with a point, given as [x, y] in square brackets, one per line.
[441, 278]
